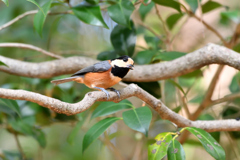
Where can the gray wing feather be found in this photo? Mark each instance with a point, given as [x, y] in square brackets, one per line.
[97, 67]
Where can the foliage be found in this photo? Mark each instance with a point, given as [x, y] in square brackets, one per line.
[168, 145]
[125, 27]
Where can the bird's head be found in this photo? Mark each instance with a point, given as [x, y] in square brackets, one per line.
[123, 62]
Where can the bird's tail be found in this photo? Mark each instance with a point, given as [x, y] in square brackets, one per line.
[59, 81]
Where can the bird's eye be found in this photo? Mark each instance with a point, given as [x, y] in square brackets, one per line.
[125, 59]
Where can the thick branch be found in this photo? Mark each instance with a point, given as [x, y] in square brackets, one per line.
[131, 90]
[29, 46]
[210, 54]
[45, 69]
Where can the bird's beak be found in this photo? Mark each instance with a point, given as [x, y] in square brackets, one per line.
[130, 66]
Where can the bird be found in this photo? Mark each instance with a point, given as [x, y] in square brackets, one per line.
[102, 75]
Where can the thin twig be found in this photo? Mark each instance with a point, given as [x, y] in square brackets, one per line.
[162, 83]
[190, 13]
[19, 146]
[111, 146]
[168, 41]
[225, 99]
[233, 145]
[207, 99]
[18, 18]
[29, 13]
[31, 47]
[145, 4]
[150, 29]
[184, 103]
[235, 37]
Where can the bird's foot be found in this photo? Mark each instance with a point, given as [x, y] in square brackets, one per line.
[104, 90]
[116, 91]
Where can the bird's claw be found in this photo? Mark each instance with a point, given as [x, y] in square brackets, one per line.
[105, 91]
[116, 91]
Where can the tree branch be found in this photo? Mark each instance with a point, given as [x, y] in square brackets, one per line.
[208, 96]
[190, 13]
[132, 90]
[29, 13]
[225, 99]
[28, 46]
[18, 18]
[210, 54]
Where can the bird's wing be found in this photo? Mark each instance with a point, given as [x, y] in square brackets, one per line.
[97, 67]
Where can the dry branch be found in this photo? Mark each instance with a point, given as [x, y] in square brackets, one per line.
[29, 13]
[210, 54]
[18, 18]
[32, 47]
[132, 90]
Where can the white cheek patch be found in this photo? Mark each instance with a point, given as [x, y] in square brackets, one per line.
[118, 63]
[121, 63]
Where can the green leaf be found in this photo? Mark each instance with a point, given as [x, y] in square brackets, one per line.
[6, 2]
[2, 64]
[151, 87]
[209, 6]
[96, 130]
[237, 48]
[177, 85]
[234, 86]
[230, 112]
[106, 55]
[5, 109]
[90, 14]
[11, 155]
[144, 57]
[121, 12]
[215, 135]
[169, 3]
[107, 108]
[194, 74]
[27, 129]
[231, 15]
[40, 17]
[71, 137]
[93, 2]
[138, 119]
[124, 39]
[34, 2]
[177, 109]
[159, 149]
[173, 19]
[12, 104]
[209, 143]
[153, 42]
[40, 137]
[197, 99]
[74, 132]
[144, 10]
[175, 151]
[168, 56]
[193, 4]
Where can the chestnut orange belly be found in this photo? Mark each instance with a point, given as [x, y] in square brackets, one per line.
[100, 79]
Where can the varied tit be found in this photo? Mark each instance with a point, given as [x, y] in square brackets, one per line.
[102, 75]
